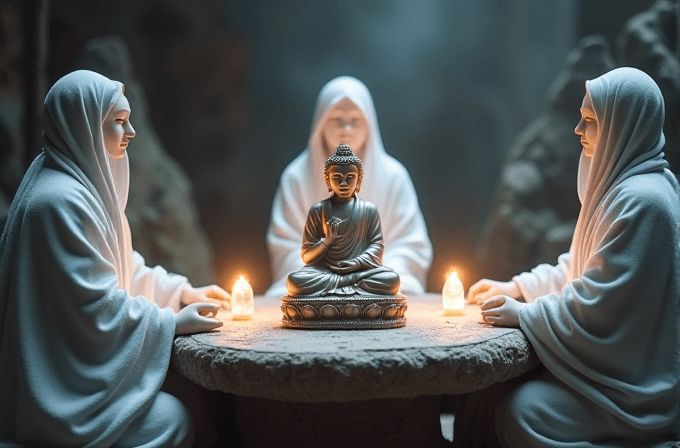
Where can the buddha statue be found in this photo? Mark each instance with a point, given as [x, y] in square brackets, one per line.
[342, 244]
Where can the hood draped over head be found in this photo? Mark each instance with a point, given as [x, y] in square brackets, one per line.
[331, 94]
[630, 114]
[83, 349]
[75, 108]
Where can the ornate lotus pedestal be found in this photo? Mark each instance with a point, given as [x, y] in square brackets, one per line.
[344, 312]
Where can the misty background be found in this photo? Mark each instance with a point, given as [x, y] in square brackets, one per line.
[231, 87]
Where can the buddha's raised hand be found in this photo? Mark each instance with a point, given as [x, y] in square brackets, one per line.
[485, 289]
[331, 229]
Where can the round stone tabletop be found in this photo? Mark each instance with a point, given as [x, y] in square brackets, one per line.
[432, 355]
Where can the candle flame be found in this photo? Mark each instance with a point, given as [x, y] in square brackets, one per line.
[242, 300]
[453, 295]
[452, 271]
[241, 280]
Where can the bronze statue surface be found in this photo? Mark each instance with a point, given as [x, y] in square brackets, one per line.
[343, 283]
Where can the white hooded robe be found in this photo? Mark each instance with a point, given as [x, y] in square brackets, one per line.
[604, 321]
[86, 328]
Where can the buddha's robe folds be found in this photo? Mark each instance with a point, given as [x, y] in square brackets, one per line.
[359, 238]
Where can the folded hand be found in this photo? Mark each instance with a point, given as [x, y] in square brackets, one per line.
[197, 318]
[346, 267]
[501, 310]
[485, 289]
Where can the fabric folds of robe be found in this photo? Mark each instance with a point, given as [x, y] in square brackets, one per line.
[611, 332]
[386, 184]
[544, 279]
[359, 238]
[82, 354]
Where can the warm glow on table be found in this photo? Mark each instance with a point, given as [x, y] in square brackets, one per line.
[453, 295]
[242, 300]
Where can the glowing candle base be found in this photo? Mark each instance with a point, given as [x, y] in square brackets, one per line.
[454, 310]
[453, 296]
[242, 307]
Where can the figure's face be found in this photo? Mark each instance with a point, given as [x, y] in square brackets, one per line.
[588, 127]
[345, 124]
[343, 180]
[117, 129]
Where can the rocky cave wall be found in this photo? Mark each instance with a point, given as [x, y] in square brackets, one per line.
[197, 63]
[536, 206]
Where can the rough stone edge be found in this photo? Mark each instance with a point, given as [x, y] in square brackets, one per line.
[371, 374]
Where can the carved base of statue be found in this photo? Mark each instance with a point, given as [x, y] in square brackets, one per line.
[339, 312]
[343, 284]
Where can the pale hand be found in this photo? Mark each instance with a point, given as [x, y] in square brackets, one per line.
[206, 294]
[197, 318]
[501, 310]
[485, 289]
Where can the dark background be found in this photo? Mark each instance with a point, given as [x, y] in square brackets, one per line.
[231, 87]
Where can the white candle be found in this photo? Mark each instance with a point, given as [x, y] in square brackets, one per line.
[453, 295]
[242, 300]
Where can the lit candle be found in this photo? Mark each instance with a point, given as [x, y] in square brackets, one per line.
[453, 295]
[242, 300]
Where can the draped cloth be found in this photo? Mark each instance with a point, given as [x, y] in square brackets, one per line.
[359, 239]
[386, 184]
[83, 347]
[604, 321]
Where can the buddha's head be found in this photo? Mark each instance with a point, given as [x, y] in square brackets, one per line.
[343, 172]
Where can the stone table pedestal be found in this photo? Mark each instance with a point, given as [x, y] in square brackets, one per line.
[354, 387]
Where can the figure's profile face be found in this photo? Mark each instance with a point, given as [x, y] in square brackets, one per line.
[588, 127]
[345, 124]
[343, 180]
[117, 128]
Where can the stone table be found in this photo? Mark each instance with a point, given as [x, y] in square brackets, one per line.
[350, 387]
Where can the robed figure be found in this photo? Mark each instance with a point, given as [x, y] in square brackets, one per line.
[86, 328]
[604, 320]
[342, 244]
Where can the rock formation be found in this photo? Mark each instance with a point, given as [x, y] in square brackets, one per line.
[648, 41]
[12, 144]
[12, 153]
[536, 205]
[161, 209]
